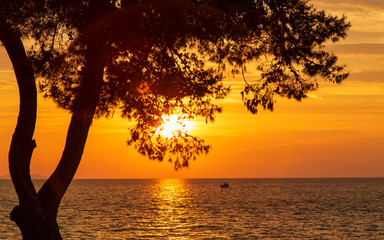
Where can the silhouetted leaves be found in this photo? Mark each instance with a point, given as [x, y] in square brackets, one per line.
[167, 57]
[179, 149]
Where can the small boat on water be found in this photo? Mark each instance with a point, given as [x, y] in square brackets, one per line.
[225, 185]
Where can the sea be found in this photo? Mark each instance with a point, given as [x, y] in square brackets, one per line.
[313, 208]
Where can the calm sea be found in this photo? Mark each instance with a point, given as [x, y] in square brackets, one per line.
[200, 209]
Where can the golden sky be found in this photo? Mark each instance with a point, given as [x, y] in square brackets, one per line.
[337, 132]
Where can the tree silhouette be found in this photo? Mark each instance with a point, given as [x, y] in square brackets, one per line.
[148, 59]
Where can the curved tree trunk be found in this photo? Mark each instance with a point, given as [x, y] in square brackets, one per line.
[37, 212]
[31, 218]
[53, 190]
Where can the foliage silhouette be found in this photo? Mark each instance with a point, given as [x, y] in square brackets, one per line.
[153, 58]
[156, 54]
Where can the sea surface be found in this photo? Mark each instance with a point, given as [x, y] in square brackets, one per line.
[344, 208]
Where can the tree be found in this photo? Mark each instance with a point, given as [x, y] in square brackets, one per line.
[12, 29]
[148, 59]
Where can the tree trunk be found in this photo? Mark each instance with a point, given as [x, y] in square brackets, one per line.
[37, 212]
[53, 190]
[33, 221]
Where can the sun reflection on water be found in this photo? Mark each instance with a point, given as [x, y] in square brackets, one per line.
[172, 201]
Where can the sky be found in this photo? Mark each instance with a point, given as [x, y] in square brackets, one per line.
[337, 132]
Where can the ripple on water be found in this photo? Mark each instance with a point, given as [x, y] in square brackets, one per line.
[200, 209]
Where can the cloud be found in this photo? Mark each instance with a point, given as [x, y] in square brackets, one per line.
[365, 16]
[7, 80]
[6, 85]
[362, 48]
[314, 96]
[363, 36]
[5, 64]
[350, 5]
[367, 76]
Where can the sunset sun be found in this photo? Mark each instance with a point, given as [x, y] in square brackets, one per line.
[174, 126]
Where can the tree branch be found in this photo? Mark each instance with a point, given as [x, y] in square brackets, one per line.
[54, 188]
[22, 144]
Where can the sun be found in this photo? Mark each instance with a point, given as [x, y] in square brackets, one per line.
[174, 126]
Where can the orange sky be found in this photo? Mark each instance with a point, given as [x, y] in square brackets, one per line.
[337, 132]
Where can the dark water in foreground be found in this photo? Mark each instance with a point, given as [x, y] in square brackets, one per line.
[200, 209]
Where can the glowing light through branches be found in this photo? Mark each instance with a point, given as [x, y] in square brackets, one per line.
[174, 126]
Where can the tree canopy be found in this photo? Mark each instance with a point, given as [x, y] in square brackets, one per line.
[157, 54]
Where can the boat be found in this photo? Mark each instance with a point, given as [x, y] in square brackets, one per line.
[225, 185]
